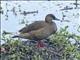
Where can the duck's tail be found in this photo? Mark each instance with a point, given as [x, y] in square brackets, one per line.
[16, 36]
[25, 36]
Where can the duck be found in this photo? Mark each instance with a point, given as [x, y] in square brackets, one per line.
[39, 30]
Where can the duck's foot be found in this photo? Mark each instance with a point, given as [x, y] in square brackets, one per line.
[40, 44]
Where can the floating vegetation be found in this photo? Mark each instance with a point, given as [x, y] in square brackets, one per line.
[32, 12]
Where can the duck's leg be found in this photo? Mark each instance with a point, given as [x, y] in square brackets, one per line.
[40, 44]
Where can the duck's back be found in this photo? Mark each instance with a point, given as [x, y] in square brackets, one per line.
[33, 26]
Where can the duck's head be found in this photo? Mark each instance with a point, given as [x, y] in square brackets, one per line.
[50, 17]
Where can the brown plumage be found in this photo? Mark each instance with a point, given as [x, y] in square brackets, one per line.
[39, 30]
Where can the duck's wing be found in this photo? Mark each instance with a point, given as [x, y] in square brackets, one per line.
[34, 26]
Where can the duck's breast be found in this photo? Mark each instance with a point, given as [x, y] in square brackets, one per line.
[53, 27]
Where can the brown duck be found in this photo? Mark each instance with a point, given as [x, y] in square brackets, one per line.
[39, 30]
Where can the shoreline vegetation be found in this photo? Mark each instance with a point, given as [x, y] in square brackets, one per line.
[58, 47]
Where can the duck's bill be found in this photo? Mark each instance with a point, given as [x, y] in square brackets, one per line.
[57, 19]
[62, 20]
